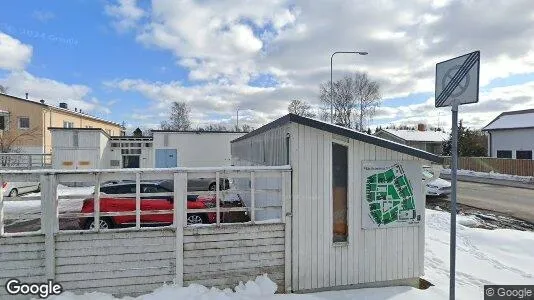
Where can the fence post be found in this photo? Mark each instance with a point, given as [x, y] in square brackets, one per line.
[286, 218]
[137, 200]
[179, 202]
[252, 197]
[1, 206]
[96, 210]
[217, 197]
[49, 222]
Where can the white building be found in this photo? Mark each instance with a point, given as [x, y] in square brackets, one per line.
[348, 226]
[90, 148]
[511, 135]
[430, 141]
[192, 148]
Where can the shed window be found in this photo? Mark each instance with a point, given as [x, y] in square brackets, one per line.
[504, 154]
[339, 192]
[523, 154]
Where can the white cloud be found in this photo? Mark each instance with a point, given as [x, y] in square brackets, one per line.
[226, 43]
[125, 13]
[14, 55]
[53, 92]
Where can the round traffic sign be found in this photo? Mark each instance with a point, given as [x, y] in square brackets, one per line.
[462, 85]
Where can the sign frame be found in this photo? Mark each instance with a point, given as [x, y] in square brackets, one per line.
[467, 66]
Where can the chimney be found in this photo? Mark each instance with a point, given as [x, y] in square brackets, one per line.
[75, 109]
[26, 96]
[42, 101]
[421, 127]
[63, 105]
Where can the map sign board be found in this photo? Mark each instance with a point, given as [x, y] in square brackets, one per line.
[392, 194]
[457, 80]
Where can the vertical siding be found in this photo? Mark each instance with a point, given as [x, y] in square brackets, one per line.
[370, 255]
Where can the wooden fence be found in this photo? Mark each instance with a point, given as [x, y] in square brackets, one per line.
[137, 259]
[521, 167]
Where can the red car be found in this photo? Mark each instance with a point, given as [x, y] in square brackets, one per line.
[148, 203]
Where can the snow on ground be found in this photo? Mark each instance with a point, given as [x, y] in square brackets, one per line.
[27, 209]
[491, 175]
[484, 256]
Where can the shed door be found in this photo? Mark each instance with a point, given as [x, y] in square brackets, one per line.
[166, 158]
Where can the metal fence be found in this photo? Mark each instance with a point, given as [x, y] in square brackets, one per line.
[521, 167]
[25, 161]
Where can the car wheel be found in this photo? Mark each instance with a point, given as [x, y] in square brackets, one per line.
[212, 186]
[13, 193]
[195, 219]
[105, 223]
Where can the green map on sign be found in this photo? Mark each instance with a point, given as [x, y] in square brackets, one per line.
[390, 197]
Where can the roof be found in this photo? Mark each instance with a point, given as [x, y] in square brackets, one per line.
[63, 110]
[131, 137]
[417, 136]
[343, 131]
[77, 129]
[196, 131]
[512, 120]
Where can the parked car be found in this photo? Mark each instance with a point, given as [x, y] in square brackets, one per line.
[108, 203]
[13, 189]
[207, 184]
[437, 187]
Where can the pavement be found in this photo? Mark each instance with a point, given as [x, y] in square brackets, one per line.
[512, 201]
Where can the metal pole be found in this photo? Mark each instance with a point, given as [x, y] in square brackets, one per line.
[237, 119]
[454, 168]
[331, 91]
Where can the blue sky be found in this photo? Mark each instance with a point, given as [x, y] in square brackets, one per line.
[125, 60]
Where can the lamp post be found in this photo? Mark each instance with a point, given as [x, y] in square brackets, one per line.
[332, 84]
[237, 126]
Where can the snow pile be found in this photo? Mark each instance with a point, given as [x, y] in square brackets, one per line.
[491, 175]
[500, 256]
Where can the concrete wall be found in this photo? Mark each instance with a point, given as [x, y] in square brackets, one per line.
[516, 139]
[197, 149]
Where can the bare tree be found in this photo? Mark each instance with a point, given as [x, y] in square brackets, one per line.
[301, 108]
[10, 137]
[179, 118]
[3, 89]
[353, 98]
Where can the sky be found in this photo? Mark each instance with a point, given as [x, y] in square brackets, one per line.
[127, 60]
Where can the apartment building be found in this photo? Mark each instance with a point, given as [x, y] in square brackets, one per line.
[24, 124]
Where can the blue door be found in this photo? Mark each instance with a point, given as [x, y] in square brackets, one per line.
[166, 158]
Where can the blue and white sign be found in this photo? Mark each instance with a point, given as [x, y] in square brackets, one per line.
[457, 80]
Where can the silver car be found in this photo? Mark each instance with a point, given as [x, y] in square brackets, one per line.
[14, 189]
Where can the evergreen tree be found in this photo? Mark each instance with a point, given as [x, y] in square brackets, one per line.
[471, 143]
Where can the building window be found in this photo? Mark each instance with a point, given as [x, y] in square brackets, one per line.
[88, 126]
[504, 154]
[523, 154]
[148, 145]
[115, 145]
[67, 124]
[339, 192]
[4, 119]
[24, 123]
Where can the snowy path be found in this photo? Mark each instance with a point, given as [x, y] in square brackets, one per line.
[484, 257]
[22, 210]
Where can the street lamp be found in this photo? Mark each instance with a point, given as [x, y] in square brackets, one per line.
[332, 84]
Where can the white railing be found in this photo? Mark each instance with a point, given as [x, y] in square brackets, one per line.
[25, 161]
[262, 193]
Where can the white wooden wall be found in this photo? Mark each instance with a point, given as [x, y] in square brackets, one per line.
[369, 255]
[224, 256]
[122, 263]
[22, 258]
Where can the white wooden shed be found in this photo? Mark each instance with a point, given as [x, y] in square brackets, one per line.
[79, 148]
[357, 210]
[192, 148]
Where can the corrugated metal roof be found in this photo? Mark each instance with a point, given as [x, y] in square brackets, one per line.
[418, 136]
[343, 131]
[512, 120]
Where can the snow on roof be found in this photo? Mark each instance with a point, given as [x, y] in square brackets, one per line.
[512, 119]
[419, 136]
